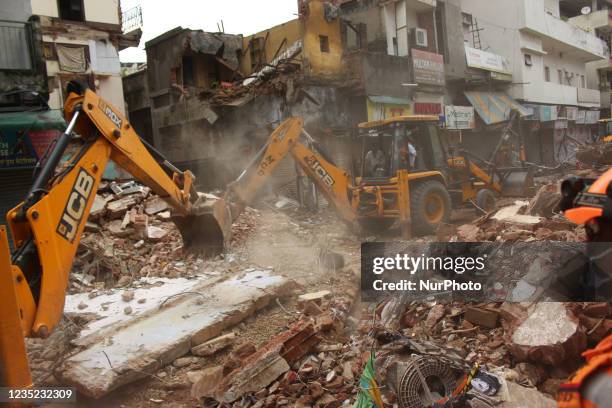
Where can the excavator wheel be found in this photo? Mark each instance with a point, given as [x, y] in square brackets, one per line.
[430, 207]
[485, 200]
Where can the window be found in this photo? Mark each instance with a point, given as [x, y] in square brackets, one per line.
[582, 81]
[528, 60]
[71, 10]
[15, 46]
[560, 74]
[324, 43]
[256, 52]
[188, 71]
[395, 46]
[547, 74]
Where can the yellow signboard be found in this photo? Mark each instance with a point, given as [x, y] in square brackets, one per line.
[378, 110]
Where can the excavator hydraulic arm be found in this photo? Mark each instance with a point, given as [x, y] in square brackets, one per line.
[47, 226]
[334, 183]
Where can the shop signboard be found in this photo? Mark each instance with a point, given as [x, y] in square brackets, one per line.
[459, 117]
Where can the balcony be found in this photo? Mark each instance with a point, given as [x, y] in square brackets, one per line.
[562, 36]
[556, 94]
[600, 19]
[131, 20]
[366, 68]
[546, 92]
[590, 97]
[421, 5]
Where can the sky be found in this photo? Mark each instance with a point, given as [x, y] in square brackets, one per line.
[238, 16]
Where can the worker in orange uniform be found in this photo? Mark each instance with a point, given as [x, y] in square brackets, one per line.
[589, 202]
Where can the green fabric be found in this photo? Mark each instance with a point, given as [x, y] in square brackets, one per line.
[369, 394]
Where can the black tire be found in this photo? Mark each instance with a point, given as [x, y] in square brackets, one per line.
[486, 200]
[376, 225]
[430, 206]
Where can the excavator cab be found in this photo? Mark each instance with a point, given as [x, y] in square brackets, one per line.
[401, 175]
[410, 143]
[605, 130]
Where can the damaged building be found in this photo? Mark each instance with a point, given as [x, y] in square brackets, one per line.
[81, 41]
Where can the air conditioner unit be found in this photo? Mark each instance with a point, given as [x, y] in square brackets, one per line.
[418, 37]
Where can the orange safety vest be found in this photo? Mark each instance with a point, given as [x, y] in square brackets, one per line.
[592, 384]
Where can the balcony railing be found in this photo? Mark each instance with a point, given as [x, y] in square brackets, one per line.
[131, 19]
[15, 49]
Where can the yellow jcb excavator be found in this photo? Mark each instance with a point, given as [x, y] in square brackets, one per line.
[47, 226]
[406, 175]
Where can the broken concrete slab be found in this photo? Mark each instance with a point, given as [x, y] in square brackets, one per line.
[482, 317]
[155, 233]
[314, 296]
[98, 208]
[155, 205]
[207, 381]
[117, 208]
[109, 305]
[551, 335]
[511, 214]
[517, 396]
[210, 347]
[144, 345]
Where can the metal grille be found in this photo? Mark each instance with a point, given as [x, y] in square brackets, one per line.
[15, 46]
[131, 19]
[439, 376]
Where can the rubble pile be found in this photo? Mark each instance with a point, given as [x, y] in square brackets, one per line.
[537, 345]
[536, 220]
[313, 363]
[599, 154]
[129, 234]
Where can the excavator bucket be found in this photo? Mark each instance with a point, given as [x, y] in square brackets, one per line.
[517, 182]
[207, 229]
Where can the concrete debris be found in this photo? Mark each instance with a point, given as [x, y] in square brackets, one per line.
[512, 214]
[156, 233]
[598, 154]
[207, 382]
[546, 201]
[534, 220]
[155, 205]
[285, 368]
[137, 347]
[314, 296]
[133, 236]
[551, 334]
[482, 317]
[215, 345]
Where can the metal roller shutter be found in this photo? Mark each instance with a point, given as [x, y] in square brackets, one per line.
[14, 185]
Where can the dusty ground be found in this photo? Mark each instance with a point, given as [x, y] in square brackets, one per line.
[289, 244]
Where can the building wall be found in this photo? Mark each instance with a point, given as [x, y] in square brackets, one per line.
[105, 11]
[454, 52]
[507, 37]
[106, 80]
[277, 38]
[366, 12]
[98, 35]
[45, 8]
[162, 57]
[319, 62]
[15, 10]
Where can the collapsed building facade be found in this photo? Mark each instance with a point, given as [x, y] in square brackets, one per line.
[214, 97]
